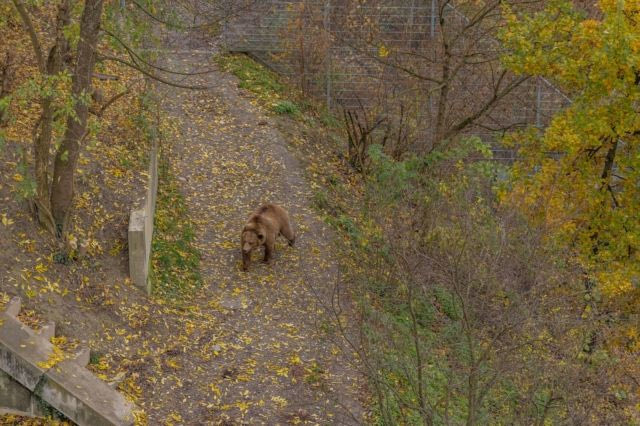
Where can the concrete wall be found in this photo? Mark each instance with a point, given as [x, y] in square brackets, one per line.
[141, 229]
[16, 399]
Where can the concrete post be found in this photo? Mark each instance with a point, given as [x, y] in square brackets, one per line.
[141, 229]
[138, 270]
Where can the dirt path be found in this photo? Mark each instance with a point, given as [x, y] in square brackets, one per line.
[254, 351]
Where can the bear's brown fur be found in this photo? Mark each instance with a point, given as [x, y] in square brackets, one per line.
[262, 229]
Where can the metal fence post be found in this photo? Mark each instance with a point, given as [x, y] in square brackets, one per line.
[433, 18]
[412, 11]
[327, 29]
[538, 103]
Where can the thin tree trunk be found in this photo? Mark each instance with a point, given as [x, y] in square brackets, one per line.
[443, 100]
[6, 78]
[6, 74]
[415, 335]
[443, 96]
[31, 30]
[609, 161]
[67, 155]
[42, 142]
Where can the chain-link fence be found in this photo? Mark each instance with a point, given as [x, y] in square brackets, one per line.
[400, 58]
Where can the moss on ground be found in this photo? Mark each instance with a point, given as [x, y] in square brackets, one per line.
[175, 264]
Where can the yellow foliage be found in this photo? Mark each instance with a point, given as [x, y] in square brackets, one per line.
[585, 203]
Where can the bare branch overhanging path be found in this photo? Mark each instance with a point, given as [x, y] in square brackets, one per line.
[255, 352]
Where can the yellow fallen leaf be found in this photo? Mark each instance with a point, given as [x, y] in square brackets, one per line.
[295, 359]
[172, 363]
[279, 400]
[6, 221]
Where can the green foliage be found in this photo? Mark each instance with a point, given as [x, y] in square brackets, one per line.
[55, 87]
[26, 186]
[4, 104]
[329, 120]
[253, 76]
[145, 119]
[7, 13]
[425, 262]
[286, 107]
[95, 357]
[4, 118]
[390, 180]
[321, 200]
[72, 33]
[133, 28]
[448, 303]
[315, 374]
[175, 260]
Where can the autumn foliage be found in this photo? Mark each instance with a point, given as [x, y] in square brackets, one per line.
[587, 194]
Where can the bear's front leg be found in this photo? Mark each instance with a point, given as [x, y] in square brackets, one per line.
[246, 259]
[268, 252]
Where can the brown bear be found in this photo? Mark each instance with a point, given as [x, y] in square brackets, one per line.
[262, 228]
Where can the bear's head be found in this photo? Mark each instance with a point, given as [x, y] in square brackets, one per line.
[251, 239]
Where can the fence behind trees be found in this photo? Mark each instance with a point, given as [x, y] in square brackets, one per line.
[421, 64]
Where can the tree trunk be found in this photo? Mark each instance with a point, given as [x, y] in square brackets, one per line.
[6, 74]
[609, 161]
[6, 79]
[67, 155]
[42, 142]
[443, 97]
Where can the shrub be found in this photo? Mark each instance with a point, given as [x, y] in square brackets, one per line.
[286, 107]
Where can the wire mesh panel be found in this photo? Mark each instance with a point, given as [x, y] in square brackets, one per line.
[422, 63]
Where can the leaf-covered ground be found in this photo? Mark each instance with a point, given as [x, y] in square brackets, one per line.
[255, 348]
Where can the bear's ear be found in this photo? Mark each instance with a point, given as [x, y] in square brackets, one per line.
[261, 236]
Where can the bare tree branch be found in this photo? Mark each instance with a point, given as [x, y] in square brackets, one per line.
[497, 95]
[137, 58]
[193, 27]
[150, 75]
[24, 15]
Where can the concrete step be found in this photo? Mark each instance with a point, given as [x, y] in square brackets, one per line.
[67, 386]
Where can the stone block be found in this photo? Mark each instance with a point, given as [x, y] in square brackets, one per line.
[13, 307]
[20, 352]
[14, 398]
[83, 356]
[48, 331]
